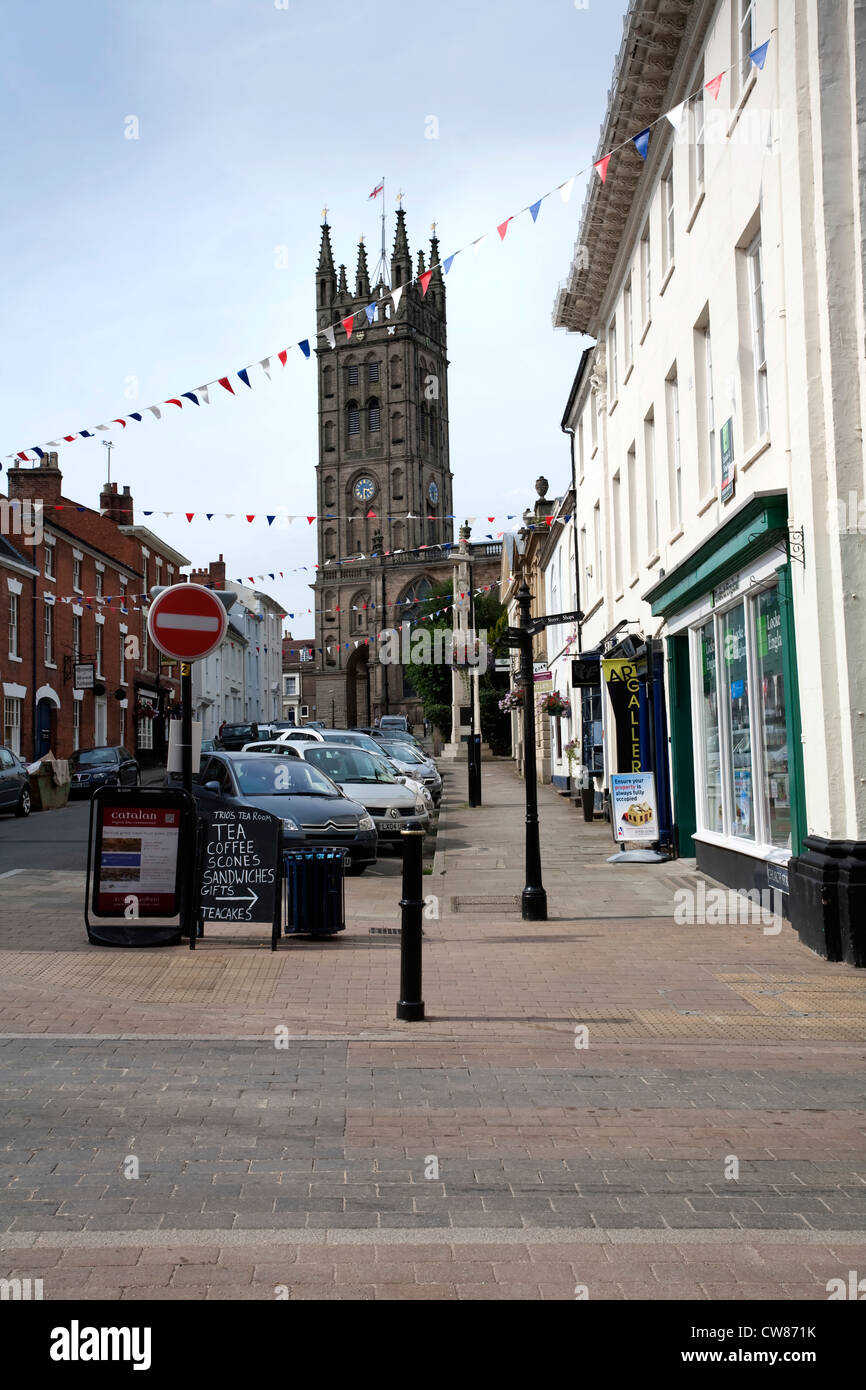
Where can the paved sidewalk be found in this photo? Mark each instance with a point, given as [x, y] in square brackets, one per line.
[479, 1154]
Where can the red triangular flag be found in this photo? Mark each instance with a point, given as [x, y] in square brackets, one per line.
[120, 422]
[600, 168]
[349, 324]
[224, 381]
[424, 281]
[283, 355]
[189, 515]
[491, 518]
[250, 518]
[503, 228]
[715, 85]
[311, 519]
[174, 401]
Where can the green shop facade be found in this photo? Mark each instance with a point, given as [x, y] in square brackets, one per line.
[734, 710]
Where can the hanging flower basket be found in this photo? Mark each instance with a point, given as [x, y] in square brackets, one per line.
[554, 704]
[144, 710]
[513, 700]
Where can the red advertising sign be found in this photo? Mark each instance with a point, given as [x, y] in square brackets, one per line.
[138, 858]
[187, 622]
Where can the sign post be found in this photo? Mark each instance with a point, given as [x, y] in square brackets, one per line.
[187, 622]
[534, 898]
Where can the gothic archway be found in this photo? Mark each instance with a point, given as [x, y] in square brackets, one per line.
[358, 704]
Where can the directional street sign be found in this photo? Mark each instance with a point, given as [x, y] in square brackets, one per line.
[187, 622]
[553, 620]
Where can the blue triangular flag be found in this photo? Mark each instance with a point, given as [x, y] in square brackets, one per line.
[39, 451]
[759, 55]
[370, 311]
[209, 515]
[134, 416]
[535, 210]
[270, 520]
[190, 396]
[446, 264]
[85, 434]
[244, 376]
[305, 347]
[148, 513]
[641, 142]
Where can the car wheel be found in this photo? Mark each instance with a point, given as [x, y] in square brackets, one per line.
[355, 870]
[24, 803]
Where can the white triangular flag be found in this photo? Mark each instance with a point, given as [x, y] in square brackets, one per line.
[396, 296]
[565, 189]
[479, 242]
[265, 365]
[202, 391]
[675, 115]
[154, 410]
[329, 335]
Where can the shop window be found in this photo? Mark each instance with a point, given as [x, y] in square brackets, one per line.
[708, 730]
[770, 691]
[736, 699]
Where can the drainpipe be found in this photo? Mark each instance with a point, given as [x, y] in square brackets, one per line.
[33, 671]
[566, 429]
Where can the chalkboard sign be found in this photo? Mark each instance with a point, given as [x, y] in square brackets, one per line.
[239, 866]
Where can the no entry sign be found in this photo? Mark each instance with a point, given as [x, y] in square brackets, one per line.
[187, 622]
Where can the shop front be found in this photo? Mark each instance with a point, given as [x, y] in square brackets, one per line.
[734, 711]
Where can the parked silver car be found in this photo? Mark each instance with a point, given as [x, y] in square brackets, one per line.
[366, 779]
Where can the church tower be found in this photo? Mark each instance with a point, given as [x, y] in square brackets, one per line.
[383, 469]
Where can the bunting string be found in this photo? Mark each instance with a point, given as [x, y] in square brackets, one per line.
[200, 395]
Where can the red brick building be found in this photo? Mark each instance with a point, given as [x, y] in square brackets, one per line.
[75, 595]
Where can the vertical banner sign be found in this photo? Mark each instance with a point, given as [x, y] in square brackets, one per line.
[626, 698]
[726, 440]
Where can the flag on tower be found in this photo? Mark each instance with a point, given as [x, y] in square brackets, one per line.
[380, 188]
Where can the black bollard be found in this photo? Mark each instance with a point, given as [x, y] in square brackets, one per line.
[410, 1006]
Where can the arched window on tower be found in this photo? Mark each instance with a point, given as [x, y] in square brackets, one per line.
[330, 539]
[396, 373]
[329, 433]
[329, 490]
[328, 381]
[374, 415]
[360, 612]
[352, 372]
[357, 533]
[397, 484]
[396, 427]
[330, 605]
[399, 535]
[353, 419]
[372, 368]
[423, 414]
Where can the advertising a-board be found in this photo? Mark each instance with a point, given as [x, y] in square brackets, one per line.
[634, 813]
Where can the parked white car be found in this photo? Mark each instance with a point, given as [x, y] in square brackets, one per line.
[364, 777]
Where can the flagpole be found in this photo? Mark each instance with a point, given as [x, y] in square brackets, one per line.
[384, 276]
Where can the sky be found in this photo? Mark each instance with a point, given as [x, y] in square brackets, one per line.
[134, 269]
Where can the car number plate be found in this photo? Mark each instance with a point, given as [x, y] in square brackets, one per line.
[389, 825]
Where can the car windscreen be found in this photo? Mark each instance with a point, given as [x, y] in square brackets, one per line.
[236, 730]
[351, 740]
[348, 764]
[91, 757]
[279, 776]
[402, 753]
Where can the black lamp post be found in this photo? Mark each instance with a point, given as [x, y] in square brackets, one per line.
[534, 898]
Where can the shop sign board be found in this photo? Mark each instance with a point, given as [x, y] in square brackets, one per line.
[634, 813]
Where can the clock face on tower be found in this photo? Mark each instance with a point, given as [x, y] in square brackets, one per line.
[433, 493]
[364, 489]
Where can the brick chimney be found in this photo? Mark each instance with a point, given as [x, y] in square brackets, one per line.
[116, 507]
[43, 484]
[214, 577]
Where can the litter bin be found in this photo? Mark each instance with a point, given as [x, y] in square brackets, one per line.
[315, 891]
[49, 783]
